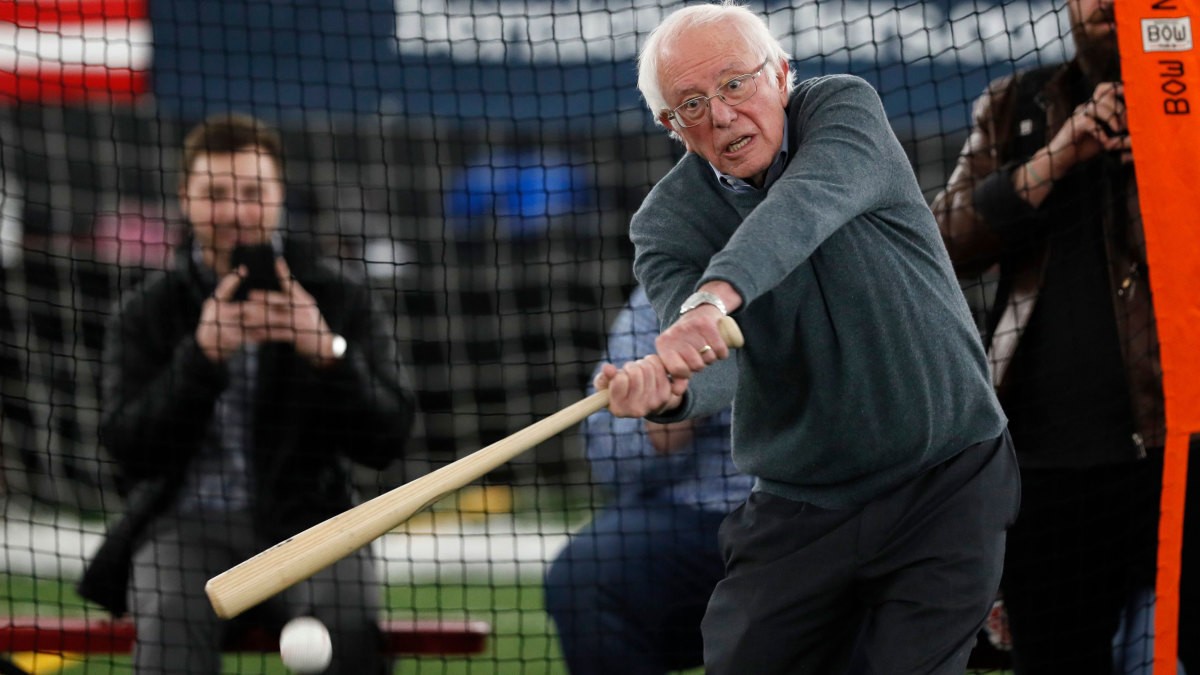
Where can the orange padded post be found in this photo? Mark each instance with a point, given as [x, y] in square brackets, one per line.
[1161, 72]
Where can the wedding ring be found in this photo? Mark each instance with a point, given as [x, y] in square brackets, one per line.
[706, 348]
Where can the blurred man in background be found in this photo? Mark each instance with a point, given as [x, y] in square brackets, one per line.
[629, 590]
[1044, 195]
[236, 387]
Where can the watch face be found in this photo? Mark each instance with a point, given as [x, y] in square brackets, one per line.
[338, 346]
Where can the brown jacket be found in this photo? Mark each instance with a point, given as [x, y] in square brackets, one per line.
[1010, 241]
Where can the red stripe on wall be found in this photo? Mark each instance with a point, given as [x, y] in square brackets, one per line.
[48, 14]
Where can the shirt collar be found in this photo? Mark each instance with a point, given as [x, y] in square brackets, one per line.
[734, 184]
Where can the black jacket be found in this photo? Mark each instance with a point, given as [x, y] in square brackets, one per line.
[159, 391]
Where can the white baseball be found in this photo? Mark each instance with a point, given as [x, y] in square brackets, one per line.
[304, 645]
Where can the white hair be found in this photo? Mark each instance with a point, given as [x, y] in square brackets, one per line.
[746, 23]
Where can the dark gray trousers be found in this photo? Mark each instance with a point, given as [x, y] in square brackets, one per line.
[899, 585]
[177, 630]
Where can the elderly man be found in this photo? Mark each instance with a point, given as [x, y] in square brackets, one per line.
[862, 403]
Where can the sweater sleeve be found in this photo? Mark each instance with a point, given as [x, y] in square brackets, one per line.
[681, 224]
[846, 162]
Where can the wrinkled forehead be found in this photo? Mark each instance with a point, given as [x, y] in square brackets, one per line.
[700, 57]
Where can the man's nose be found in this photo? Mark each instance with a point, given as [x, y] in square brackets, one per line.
[225, 211]
[722, 113]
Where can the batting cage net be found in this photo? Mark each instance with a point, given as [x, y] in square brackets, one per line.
[454, 199]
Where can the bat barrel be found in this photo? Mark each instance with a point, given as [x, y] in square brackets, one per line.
[295, 559]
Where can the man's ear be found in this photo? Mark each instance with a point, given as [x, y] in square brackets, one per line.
[781, 80]
[782, 76]
[666, 122]
[672, 131]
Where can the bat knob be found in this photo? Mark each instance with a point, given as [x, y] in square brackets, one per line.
[731, 333]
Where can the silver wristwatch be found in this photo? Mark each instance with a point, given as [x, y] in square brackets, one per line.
[702, 298]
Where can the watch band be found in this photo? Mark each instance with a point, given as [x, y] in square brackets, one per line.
[703, 298]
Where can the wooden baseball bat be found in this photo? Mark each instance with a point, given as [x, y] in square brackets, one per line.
[295, 559]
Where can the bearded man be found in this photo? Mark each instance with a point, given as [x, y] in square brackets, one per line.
[1043, 197]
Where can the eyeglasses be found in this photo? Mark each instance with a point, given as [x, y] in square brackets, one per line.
[734, 92]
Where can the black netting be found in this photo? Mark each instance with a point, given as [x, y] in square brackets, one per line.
[475, 164]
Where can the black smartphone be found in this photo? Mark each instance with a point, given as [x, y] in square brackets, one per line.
[259, 260]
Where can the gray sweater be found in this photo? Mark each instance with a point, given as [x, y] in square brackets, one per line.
[862, 366]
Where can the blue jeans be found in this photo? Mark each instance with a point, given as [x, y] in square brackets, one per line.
[1133, 645]
[629, 590]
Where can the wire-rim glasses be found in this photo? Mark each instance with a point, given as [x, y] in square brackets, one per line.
[734, 92]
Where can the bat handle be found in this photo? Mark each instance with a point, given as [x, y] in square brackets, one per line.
[731, 333]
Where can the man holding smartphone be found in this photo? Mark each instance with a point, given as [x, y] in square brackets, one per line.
[236, 386]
